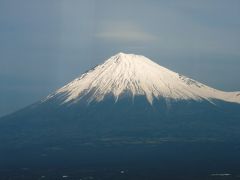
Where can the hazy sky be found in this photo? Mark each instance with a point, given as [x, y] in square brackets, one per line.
[46, 43]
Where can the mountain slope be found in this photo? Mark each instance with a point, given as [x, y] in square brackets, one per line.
[137, 75]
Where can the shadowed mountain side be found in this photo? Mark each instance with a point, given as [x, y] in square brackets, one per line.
[122, 122]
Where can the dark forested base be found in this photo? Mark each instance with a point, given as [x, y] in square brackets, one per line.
[188, 160]
[123, 140]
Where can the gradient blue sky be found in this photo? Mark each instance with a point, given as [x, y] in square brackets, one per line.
[46, 43]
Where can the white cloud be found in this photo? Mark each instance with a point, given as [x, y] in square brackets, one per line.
[124, 32]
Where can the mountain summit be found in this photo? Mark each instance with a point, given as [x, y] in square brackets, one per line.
[137, 76]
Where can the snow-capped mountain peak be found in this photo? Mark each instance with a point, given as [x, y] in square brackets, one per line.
[137, 75]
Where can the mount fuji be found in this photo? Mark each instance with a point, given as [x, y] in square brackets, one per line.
[137, 76]
[128, 99]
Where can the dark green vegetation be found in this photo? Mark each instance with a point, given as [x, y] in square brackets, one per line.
[177, 161]
[123, 122]
[169, 140]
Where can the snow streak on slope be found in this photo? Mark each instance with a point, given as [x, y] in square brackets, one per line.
[137, 75]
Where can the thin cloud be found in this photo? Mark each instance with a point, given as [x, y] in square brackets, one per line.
[124, 32]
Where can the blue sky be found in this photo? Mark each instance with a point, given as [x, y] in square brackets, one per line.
[45, 44]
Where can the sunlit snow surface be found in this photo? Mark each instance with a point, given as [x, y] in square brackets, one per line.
[137, 75]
